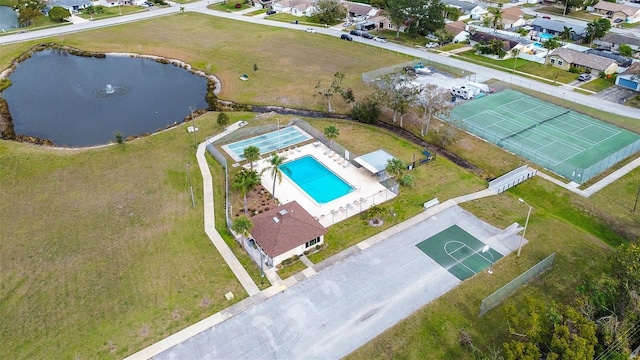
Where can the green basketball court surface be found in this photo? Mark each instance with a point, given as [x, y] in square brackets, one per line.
[459, 252]
[566, 142]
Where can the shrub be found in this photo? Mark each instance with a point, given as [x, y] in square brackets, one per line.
[223, 119]
[366, 111]
[407, 180]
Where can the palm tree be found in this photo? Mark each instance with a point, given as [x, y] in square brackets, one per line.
[514, 53]
[395, 167]
[375, 214]
[245, 181]
[497, 15]
[275, 161]
[567, 33]
[251, 153]
[242, 225]
[331, 132]
[550, 44]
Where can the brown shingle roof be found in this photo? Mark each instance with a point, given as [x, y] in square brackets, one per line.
[583, 59]
[294, 227]
[512, 14]
[455, 27]
[620, 39]
[633, 69]
[358, 8]
[608, 6]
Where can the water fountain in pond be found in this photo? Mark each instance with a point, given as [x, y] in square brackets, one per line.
[111, 91]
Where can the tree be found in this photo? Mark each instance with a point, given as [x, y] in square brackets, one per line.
[496, 13]
[331, 132]
[514, 54]
[330, 11]
[452, 13]
[374, 214]
[396, 92]
[625, 50]
[58, 14]
[432, 100]
[396, 10]
[366, 111]
[333, 89]
[597, 29]
[251, 154]
[395, 168]
[424, 17]
[443, 36]
[223, 119]
[550, 44]
[242, 225]
[570, 4]
[29, 10]
[275, 161]
[567, 33]
[244, 181]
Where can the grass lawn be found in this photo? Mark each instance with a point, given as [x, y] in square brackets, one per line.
[232, 5]
[582, 15]
[103, 255]
[108, 12]
[599, 84]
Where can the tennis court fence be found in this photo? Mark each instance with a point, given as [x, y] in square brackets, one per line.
[570, 171]
[499, 295]
[223, 161]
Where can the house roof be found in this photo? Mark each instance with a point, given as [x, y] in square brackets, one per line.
[619, 59]
[583, 59]
[608, 6]
[507, 43]
[69, 3]
[512, 14]
[465, 6]
[358, 8]
[455, 27]
[284, 228]
[620, 39]
[557, 26]
[298, 4]
[633, 69]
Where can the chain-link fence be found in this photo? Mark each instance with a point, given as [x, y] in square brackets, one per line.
[379, 73]
[223, 161]
[494, 299]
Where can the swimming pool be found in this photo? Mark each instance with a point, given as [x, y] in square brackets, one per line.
[545, 36]
[268, 142]
[318, 182]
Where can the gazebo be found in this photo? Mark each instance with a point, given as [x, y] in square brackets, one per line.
[375, 162]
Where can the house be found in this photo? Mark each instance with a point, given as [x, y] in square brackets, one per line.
[284, 232]
[358, 11]
[612, 41]
[557, 28]
[512, 18]
[72, 5]
[295, 7]
[484, 38]
[459, 30]
[468, 9]
[567, 58]
[615, 11]
[630, 78]
[622, 61]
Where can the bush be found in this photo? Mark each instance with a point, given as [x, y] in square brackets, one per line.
[223, 119]
[58, 14]
[407, 180]
[366, 111]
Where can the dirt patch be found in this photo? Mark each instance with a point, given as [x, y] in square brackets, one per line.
[259, 200]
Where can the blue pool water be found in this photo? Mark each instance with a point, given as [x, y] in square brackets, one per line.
[268, 142]
[545, 36]
[320, 183]
[537, 44]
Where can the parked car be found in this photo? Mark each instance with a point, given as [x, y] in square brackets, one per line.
[366, 35]
[431, 45]
[355, 32]
[380, 39]
[547, 17]
[271, 12]
[618, 20]
[584, 77]
[346, 37]
[310, 30]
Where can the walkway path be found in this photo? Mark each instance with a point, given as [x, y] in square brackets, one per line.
[209, 216]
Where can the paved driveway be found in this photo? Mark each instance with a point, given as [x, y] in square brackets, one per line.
[345, 305]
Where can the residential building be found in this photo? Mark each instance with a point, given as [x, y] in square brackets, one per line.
[567, 58]
[459, 30]
[512, 18]
[615, 11]
[284, 232]
[612, 41]
[295, 7]
[630, 78]
[556, 28]
[469, 10]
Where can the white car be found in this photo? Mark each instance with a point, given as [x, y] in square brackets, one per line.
[310, 30]
[432, 45]
[380, 39]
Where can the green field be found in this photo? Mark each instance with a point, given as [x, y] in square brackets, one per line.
[103, 255]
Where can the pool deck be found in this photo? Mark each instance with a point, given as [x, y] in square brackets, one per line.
[368, 190]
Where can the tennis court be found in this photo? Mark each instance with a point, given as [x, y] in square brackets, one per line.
[568, 143]
[459, 252]
[272, 141]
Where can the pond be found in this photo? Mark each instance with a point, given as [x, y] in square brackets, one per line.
[8, 19]
[84, 101]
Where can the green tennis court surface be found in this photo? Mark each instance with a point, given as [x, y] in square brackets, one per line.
[568, 143]
[459, 252]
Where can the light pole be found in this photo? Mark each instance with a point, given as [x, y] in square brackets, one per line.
[485, 249]
[524, 232]
[193, 125]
